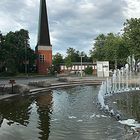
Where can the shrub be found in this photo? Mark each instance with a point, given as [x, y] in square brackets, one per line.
[88, 70]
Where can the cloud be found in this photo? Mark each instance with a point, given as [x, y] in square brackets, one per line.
[72, 23]
[132, 9]
[18, 14]
[77, 23]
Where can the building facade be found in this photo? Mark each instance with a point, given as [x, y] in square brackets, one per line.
[44, 47]
[77, 67]
[103, 68]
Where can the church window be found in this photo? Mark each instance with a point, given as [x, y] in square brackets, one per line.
[42, 58]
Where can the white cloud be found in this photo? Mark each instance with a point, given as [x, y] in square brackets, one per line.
[6, 23]
[73, 23]
[133, 9]
[82, 21]
[31, 3]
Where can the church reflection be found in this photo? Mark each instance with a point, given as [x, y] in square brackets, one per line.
[19, 110]
[44, 103]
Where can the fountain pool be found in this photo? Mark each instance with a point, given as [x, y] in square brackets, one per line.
[63, 114]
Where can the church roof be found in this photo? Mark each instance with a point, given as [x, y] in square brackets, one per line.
[43, 31]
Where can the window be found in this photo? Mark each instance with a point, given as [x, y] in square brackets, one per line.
[42, 58]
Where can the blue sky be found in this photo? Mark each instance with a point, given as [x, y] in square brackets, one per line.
[72, 23]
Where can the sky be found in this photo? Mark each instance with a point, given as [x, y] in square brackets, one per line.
[72, 23]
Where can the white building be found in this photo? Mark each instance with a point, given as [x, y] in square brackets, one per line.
[77, 67]
[103, 68]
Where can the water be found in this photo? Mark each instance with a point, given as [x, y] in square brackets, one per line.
[64, 114]
[123, 83]
[128, 104]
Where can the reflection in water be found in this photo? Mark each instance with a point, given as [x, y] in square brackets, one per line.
[67, 114]
[1, 120]
[44, 103]
[32, 112]
[130, 105]
[16, 110]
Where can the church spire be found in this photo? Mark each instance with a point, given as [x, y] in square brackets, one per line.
[44, 47]
[43, 32]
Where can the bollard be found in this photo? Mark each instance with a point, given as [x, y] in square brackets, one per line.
[12, 82]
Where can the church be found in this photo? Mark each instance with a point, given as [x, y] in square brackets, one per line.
[43, 47]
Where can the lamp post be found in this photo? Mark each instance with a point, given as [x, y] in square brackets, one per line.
[81, 64]
[25, 41]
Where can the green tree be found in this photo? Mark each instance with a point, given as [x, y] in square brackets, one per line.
[85, 57]
[57, 61]
[110, 47]
[13, 54]
[73, 55]
[68, 62]
[98, 51]
[132, 37]
[2, 53]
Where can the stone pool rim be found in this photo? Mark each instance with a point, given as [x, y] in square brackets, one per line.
[69, 83]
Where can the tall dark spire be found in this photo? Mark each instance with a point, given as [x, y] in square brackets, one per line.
[43, 32]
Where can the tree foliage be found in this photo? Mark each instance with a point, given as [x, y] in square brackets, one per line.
[73, 55]
[57, 61]
[131, 36]
[14, 50]
[115, 47]
[88, 70]
[110, 47]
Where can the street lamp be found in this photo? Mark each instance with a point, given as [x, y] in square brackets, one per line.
[25, 41]
[81, 64]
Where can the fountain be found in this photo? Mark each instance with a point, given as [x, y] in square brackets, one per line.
[126, 72]
[121, 81]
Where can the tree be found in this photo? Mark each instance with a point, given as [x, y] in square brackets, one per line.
[68, 62]
[73, 55]
[2, 52]
[12, 52]
[85, 57]
[57, 61]
[110, 47]
[131, 36]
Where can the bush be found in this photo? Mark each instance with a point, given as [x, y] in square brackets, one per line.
[88, 70]
[5, 74]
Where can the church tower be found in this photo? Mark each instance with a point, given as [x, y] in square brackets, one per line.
[44, 47]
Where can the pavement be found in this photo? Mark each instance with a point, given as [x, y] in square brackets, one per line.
[25, 80]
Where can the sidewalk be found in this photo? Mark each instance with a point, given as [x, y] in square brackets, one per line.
[24, 80]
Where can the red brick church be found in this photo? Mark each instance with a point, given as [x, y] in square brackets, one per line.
[44, 47]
